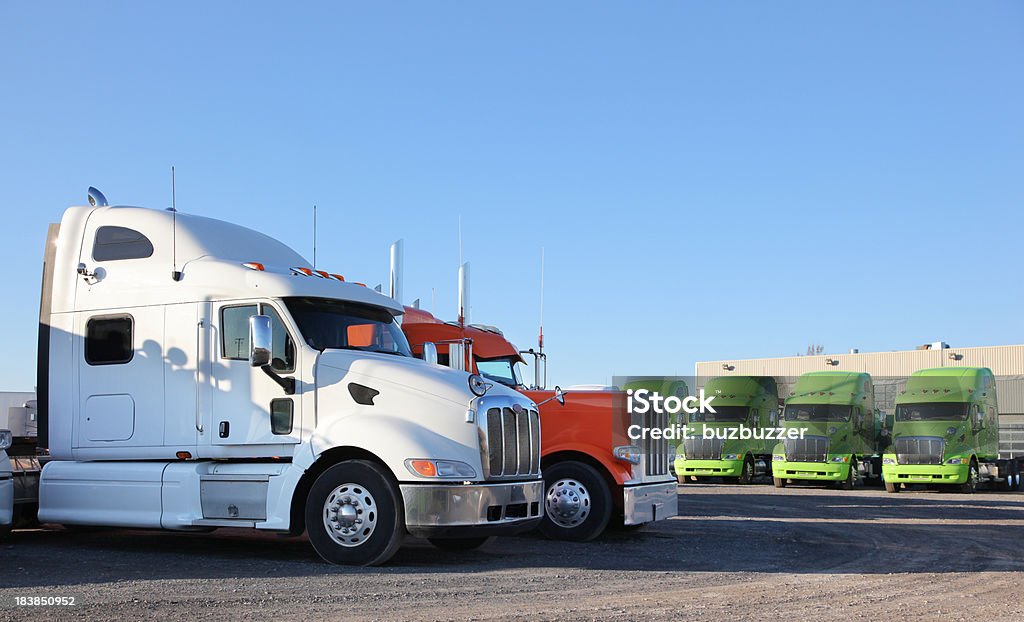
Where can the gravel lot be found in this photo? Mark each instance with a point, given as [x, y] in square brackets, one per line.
[735, 553]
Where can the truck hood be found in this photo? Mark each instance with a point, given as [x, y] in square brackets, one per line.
[403, 372]
[929, 428]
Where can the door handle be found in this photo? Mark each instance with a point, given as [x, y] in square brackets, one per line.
[199, 345]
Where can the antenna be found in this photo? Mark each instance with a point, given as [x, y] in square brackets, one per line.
[433, 298]
[460, 239]
[540, 336]
[175, 274]
[314, 236]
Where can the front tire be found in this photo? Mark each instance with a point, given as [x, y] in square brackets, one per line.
[892, 487]
[353, 515]
[747, 472]
[971, 485]
[577, 502]
[851, 477]
[779, 482]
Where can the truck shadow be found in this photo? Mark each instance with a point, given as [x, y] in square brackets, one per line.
[778, 532]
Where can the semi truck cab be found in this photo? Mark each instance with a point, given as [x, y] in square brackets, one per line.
[946, 432]
[841, 432]
[6, 485]
[748, 401]
[594, 474]
[195, 374]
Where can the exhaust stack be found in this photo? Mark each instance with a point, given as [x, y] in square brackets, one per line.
[397, 277]
[463, 293]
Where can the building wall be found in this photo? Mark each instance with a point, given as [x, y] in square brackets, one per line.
[890, 370]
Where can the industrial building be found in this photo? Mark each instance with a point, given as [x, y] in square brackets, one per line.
[890, 370]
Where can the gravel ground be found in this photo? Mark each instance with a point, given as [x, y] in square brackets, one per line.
[735, 553]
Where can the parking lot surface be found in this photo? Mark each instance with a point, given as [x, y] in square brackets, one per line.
[734, 553]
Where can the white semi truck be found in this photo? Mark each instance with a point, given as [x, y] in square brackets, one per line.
[195, 374]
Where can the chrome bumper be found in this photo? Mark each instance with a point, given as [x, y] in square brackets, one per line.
[462, 510]
[6, 501]
[649, 502]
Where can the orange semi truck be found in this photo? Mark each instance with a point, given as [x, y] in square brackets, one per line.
[594, 475]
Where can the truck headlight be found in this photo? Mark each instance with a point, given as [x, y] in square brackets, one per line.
[955, 461]
[888, 461]
[627, 453]
[6, 439]
[440, 468]
[730, 457]
[778, 458]
[840, 459]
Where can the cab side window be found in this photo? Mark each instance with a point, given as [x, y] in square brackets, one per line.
[235, 336]
[234, 322]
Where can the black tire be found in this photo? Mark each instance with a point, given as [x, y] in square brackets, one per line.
[365, 493]
[891, 487]
[5, 532]
[585, 498]
[851, 477]
[779, 482]
[746, 472]
[971, 485]
[459, 544]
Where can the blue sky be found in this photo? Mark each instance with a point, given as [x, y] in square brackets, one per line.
[709, 180]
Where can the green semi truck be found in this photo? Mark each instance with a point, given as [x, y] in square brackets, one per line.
[843, 435]
[946, 432]
[750, 402]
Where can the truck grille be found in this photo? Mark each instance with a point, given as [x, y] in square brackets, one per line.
[919, 450]
[700, 448]
[655, 451]
[512, 442]
[807, 449]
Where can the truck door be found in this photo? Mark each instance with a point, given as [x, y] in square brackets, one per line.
[247, 406]
[120, 378]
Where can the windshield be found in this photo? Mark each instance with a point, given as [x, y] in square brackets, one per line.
[950, 411]
[499, 370]
[722, 414]
[817, 412]
[336, 324]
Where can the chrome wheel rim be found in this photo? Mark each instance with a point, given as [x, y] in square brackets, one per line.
[350, 515]
[567, 503]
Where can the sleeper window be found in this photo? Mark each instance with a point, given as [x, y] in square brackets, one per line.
[115, 243]
[108, 340]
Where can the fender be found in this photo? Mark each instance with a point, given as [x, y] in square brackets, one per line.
[620, 471]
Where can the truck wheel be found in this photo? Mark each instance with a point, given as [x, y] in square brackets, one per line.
[780, 482]
[353, 515]
[892, 487]
[577, 502]
[5, 532]
[747, 472]
[459, 544]
[971, 485]
[851, 477]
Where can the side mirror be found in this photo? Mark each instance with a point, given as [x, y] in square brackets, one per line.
[261, 340]
[430, 353]
[559, 396]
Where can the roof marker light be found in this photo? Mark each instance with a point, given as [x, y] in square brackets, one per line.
[323, 274]
[254, 265]
[339, 277]
[303, 271]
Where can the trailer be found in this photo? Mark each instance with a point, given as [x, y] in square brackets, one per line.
[194, 374]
